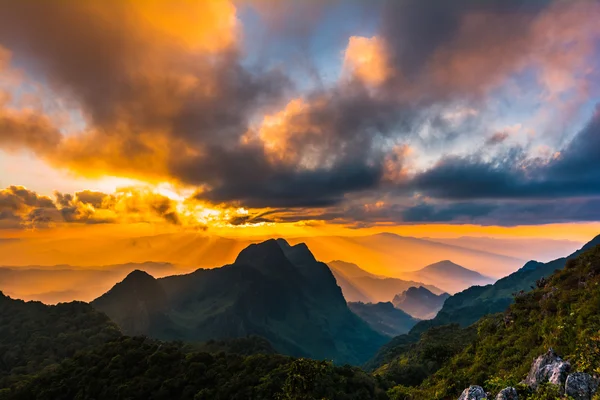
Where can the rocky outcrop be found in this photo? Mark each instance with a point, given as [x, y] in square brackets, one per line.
[581, 386]
[510, 393]
[548, 368]
[473, 393]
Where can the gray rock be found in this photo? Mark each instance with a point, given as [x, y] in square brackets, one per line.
[548, 368]
[473, 393]
[509, 393]
[581, 386]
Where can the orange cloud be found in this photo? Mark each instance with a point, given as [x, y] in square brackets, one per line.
[366, 59]
[199, 26]
[281, 133]
[155, 81]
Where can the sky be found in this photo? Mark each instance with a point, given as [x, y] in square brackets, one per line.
[266, 117]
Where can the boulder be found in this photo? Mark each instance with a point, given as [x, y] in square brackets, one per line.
[548, 368]
[509, 393]
[581, 386]
[473, 393]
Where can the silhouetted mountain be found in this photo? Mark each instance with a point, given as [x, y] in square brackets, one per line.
[452, 277]
[420, 302]
[384, 317]
[471, 304]
[141, 300]
[360, 285]
[272, 290]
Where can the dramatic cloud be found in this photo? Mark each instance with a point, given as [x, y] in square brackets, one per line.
[573, 172]
[20, 207]
[23, 208]
[165, 92]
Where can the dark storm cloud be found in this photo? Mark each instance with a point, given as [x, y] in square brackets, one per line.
[449, 213]
[319, 188]
[148, 122]
[507, 213]
[162, 110]
[416, 29]
[574, 172]
[27, 130]
[344, 153]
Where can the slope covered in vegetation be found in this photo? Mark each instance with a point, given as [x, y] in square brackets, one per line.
[561, 313]
[34, 336]
[141, 368]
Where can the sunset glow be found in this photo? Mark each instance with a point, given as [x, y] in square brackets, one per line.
[198, 117]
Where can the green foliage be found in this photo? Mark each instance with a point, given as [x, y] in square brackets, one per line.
[547, 391]
[303, 376]
[34, 336]
[415, 362]
[562, 313]
[244, 346]
[141, 368]
[72, 352]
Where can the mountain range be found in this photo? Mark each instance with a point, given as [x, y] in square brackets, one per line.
[470, 305]
[516, 348]
[386, 254]
[360, 285]
[73, 351]
[449, 276]
[274, 290]
[420, 302]
[65, 283]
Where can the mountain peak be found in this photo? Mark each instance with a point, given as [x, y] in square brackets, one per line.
[298, 254]
[266, 252]
[283, 243]
[420, 302]
[446, 265]
[420, 289]
[449, 267]
[138, 276]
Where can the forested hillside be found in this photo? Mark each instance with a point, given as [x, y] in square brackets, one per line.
[562, 313]
[72, 352]
[34, 336]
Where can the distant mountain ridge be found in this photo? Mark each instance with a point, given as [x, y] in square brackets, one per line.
[72, 282]
[471, 304]
[420, 302]
[452, 277]
[274, 290]
[359, 285]
[384, 317]
[380, 252]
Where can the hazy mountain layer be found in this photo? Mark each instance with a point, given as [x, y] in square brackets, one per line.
[384, 317]
[360, 285]
[382, 254]
[420, 302]
[450, 276]
[473, 303]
